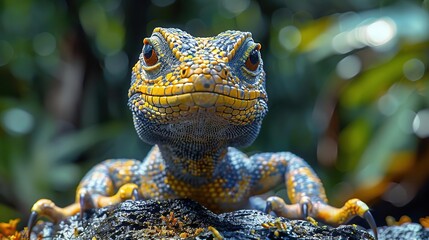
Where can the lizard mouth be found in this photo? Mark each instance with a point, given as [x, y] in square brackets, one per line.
[168, 104]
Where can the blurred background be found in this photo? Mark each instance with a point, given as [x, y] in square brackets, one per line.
[348, 89]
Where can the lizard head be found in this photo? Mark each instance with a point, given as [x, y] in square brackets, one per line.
[187, 88]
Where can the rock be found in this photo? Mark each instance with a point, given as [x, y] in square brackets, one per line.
[407, 231]
[176, 219]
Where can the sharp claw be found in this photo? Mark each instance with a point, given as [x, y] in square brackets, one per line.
[31, 222]
[304, 210]
[368, 217]
[81, 203]
[85, 203]
[268, 207]
[136, 194]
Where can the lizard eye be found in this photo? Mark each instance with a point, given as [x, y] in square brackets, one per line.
[149, 55]
[252, 62]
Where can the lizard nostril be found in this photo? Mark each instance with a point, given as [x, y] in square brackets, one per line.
[224, 73]
[184, 72]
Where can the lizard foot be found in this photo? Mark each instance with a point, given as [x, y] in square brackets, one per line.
[46, 208]
[322, 211]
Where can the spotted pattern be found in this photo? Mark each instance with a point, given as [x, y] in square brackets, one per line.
[202, 75]
[196, 100]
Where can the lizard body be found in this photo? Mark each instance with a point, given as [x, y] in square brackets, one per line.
[196, 100]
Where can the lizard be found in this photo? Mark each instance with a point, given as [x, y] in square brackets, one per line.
[197, 99]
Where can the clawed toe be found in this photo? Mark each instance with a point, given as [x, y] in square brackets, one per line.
[352, 208]
[322, 211]
[371, 222]
[85, 202]
[304, 210]
[355, 207]
[268, 207]
[46, 208]
[32, 222]
[136, 194]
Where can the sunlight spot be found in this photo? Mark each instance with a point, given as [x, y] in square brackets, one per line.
[17, 121]
[290, 37]
[421, 123]
[387, 104]
[375, 34]
[414, 69]
[341, 44]
[405, 121]
[44, 44]
[397, 195]
[380, 32]
[237, 6]
[349, 67]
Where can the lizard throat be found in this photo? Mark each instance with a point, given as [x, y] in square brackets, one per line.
[195, 164]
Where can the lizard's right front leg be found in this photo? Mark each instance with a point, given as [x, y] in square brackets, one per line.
[108, 183]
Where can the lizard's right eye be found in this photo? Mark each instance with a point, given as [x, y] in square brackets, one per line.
[253, 60]
[149, 54]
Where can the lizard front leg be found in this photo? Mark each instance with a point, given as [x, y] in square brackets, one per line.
[304, 188]
[108, 183]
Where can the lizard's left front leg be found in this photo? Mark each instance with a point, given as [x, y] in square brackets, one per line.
[108, 183]
[304, 188]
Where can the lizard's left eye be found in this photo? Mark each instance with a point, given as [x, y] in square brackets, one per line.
[149, 55]
[252, 62]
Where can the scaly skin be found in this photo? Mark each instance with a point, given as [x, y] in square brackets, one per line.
[196, 99]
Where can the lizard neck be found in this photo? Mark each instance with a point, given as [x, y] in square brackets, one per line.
[193, 163]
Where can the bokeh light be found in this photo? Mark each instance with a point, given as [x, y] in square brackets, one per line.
[349, 67]
[375, 34]
[414, 69]
[44, 44]
[17, 121]
[236, 7]
[289, 37]
[397, 195]
[379, 32]
[388, 104]
[421, 123]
